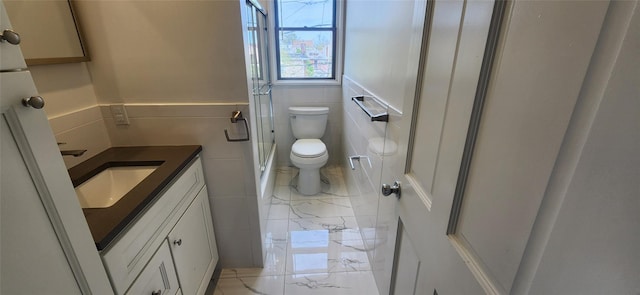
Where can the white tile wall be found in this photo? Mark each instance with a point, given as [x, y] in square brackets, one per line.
[228, 166]
[374, 214]
[285, 96]
[81, 130]
[66, 88]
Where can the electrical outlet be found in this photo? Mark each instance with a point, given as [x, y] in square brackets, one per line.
[119, 113]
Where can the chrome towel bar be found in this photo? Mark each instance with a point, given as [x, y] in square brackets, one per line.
[235, 117]
[382, 117]
[358, 158]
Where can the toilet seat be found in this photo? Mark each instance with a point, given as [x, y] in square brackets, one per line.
[308, 148]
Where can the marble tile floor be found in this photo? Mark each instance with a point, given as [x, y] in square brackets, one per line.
[313, 245]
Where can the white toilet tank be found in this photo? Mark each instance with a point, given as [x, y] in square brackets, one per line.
[308, 122]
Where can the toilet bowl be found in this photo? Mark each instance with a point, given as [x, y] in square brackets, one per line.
[308, 153]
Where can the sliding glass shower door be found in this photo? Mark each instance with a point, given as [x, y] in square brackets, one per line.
[261, 81]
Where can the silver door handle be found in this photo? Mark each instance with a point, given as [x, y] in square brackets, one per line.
[392, 189]
[351, 158]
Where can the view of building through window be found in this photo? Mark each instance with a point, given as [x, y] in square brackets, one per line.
[305, 42]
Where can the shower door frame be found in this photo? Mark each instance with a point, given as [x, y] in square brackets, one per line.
[261, 91]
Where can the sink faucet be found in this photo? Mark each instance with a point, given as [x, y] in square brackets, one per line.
[75, 153]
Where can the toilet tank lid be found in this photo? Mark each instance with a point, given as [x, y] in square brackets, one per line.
[308, 110]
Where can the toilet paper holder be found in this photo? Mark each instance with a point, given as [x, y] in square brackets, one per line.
[235, 117]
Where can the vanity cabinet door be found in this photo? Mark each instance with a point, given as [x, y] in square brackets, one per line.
[193, 246]
[158, 277]
[129, 254]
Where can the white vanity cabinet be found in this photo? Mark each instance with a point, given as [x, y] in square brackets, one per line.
[158, 277]
[179, 220]
[193, 246]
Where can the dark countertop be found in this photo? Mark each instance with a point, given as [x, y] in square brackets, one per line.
[106, 223]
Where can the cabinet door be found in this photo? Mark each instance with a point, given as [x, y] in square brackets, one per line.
[158, 277]
[10, 55]
[193, 246]
[30, 245]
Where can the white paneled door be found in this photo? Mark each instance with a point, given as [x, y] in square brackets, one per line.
[474, 158]
[426, 259]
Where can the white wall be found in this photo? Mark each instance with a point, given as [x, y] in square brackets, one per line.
[363, 182]
[66, 88]
[377, 50]
[165, 51]
[71, 106]
[285, 96]
[380, 61]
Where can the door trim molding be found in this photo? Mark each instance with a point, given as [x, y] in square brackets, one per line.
[476, 267]
[396, 250]
[484, 79]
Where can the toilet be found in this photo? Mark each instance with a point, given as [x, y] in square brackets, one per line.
[308, 153]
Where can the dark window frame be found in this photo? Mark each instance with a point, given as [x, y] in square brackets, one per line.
[334, 29]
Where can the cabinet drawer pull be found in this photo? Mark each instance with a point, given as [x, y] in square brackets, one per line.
[177, 242]
[157, 292]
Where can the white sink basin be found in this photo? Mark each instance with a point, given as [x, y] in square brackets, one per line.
[107, 187]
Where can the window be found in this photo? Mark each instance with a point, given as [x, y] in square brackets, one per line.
[306, 37]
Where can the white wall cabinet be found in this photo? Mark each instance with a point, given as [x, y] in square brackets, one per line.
[46, 247]
[11, 57]
[180, 217]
